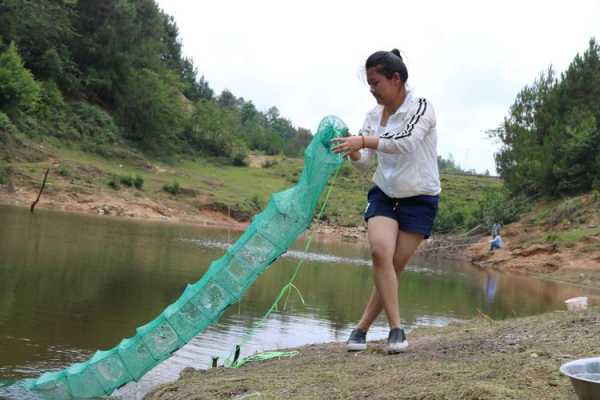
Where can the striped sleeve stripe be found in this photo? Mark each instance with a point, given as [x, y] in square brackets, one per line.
[415, 117]
[390, 135]
[387, 135]
[414, 120]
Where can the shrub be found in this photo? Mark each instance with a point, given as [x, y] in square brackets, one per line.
[52, 105]
[151, 109]
[93, 123]
[239, 155]
[19, 92]
[130, 181]
[172, 188]
[28, 124]
[256, 202]
[449, 218]
[4, 173]
[126, 180]
[346, 170]
[114, 183]
[239, 160]
[64, 171]
[497, 205]
[6, 124]
[269, 163]
[138, 182]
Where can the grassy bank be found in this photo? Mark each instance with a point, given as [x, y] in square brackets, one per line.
[103, 181]
[480, 359]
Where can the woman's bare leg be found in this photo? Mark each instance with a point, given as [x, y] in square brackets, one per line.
[406, 245]
[382, 234]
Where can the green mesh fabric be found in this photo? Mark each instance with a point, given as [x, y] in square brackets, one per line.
[271, 232]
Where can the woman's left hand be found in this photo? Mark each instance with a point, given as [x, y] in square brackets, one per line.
[347, 144]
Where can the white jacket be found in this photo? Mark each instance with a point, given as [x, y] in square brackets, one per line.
[407, 151]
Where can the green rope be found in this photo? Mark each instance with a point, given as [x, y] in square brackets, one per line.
[269, 355]
[287, 288]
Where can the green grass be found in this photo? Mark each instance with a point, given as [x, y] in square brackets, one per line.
[573, 235]
[244, 189]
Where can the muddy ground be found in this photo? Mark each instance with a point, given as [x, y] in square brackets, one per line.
[480, 359]
[164, 209]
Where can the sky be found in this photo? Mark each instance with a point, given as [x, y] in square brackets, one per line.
[468, 58]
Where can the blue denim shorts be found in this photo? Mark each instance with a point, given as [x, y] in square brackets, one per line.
[414, 214]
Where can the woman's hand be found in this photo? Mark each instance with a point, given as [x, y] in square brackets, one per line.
[348, 144]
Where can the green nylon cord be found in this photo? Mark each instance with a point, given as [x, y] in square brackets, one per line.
[288, 286]
[269, 355]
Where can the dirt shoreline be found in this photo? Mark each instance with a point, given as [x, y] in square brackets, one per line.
[475, 360]
[546, 260]
[163, 210]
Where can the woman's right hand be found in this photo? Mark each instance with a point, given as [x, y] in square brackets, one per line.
[348, 144]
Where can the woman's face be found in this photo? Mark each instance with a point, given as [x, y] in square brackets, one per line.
[383, 89]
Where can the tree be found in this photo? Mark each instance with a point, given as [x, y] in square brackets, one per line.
[204, 90]
[117, 36]
[19, 92]
[227, 99]
[272, 114]
[44, 33]
[521, 158]
[551, 138]
[151, 110]
[248, 112]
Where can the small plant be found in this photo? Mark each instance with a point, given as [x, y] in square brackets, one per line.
[256, 202]
[6, 124]
[126, 181]
[64, 171]
[346, 170]
[239, 160]
[269, 163]
[3, 175]
[114, 183]
[138, 182]
[172, 188]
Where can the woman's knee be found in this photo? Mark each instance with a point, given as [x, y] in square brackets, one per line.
[400, 262]
[381, 255]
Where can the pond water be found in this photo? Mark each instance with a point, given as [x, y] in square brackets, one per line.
[71, 284]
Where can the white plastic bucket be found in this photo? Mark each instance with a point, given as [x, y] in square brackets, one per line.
[577, 303]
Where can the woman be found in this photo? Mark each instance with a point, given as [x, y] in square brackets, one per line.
[401, 208]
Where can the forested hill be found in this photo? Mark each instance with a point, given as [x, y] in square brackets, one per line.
[105, 73]
[551, 136]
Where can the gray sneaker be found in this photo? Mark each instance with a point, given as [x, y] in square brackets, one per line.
[357, 340]
[396, 342]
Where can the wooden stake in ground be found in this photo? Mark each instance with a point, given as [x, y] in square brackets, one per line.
[41, 190]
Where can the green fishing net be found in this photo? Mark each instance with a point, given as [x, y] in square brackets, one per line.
[271, 232]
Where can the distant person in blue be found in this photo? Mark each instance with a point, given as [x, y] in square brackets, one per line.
[400, 131]
[495, 243]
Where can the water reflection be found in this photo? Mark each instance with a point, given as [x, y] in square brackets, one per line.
[72, 284]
